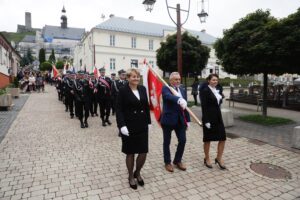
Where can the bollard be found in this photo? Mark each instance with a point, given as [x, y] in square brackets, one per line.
[296, 138]
[227, 116]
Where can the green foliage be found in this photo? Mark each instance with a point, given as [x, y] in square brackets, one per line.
[46, 66]
[2, 91]
[42, 55]
[16, 83]
[259, 43]
[52, 57]
[287, 41]
[194, 54]
[59, 64]
[27, 58]
[247, 48]
[267, 121]
[16, 37]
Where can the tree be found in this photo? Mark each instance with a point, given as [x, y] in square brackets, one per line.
[248, 48]
[42, 56]
[52, 57]
[59, 64]
[194, 54]
[46, 66]
[287, 39]
[27, 58]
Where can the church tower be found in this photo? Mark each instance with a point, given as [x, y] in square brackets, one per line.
[64, 19]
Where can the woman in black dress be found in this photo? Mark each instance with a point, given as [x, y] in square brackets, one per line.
[133, 119]
[213, 127]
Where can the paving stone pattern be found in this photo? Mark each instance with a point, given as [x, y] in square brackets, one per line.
[45, 155]
[7, 117]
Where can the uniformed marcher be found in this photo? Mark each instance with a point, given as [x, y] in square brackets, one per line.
[94, 102]
[103, 89]
[113, 97]
[117, 85]
[82, 92]
[59, 88]
[69, 94]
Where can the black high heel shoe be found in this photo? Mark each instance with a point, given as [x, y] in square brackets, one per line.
[221, 166]
[133, 186]
[140, 182]
[207, 165]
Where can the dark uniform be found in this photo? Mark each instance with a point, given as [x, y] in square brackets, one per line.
[104, 97]
[59, 88]
[82, 93]
[69, 95]
[117, 85]
[94, 102]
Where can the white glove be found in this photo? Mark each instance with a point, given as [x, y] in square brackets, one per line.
[207, 125]
[149, 127]
[182, 103]
[125, 131]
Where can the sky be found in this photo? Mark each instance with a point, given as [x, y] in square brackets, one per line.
[87, 13]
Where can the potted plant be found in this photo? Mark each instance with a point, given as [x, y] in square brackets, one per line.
[5, 99]
[13, 89]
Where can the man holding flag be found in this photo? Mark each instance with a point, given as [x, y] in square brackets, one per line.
[174, 117]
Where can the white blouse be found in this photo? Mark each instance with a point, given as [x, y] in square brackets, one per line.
[136, 93]
[216, 93]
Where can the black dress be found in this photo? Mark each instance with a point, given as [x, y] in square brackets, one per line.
[135, 115]
[211, 113]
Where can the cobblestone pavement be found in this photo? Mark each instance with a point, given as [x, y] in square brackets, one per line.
[52, 158]
[7, 117]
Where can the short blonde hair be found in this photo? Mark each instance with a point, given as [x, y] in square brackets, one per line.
[132, 70]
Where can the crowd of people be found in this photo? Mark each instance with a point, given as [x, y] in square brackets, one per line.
[126, 98]
[31, 81]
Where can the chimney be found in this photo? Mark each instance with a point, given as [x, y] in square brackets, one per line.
[131, 17]
[111, 15]
[27, 20]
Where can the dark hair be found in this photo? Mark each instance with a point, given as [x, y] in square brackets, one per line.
[211, 76]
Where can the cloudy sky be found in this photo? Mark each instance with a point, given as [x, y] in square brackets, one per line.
[87, 13]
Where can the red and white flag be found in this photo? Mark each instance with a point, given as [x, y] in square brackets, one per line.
[154, 89]
[54, 71]
[96, 72]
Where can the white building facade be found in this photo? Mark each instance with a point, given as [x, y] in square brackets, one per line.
[121, 43]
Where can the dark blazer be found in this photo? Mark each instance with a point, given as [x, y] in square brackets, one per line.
[131, 112]
[172, 113]
[211, 113]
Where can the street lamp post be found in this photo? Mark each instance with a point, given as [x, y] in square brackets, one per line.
[149, 7]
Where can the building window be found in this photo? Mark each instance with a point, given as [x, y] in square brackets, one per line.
[133, 42]
[211, 71]
[112, 40]
[112, 64]
[151, 63]
[134, 63]
[150, 44]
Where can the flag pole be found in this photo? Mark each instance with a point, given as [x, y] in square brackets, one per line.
[175, 93]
